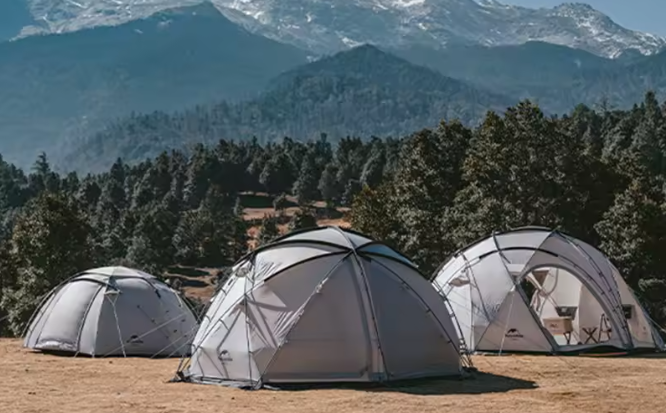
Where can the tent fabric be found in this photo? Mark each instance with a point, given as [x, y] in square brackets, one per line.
[113, 311]
[483, 286]
[323, 305]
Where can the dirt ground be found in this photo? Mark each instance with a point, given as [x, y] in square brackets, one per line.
[37, 383]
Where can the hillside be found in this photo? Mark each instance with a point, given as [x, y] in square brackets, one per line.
[361, 92]
[556, 77]
[34, 382]
[540, 71]
[62, 86]
[623, 86]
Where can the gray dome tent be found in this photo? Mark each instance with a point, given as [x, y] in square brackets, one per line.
[113, 311]
[323, 305]
[580, 302]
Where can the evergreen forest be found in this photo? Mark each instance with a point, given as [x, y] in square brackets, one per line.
[596, 174]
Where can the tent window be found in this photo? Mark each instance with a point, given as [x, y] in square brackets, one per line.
[566, 311]
[628, 311]
[459, 281]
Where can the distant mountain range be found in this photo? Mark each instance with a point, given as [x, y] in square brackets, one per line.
[361, 92]
[328, 26]
[58, 89]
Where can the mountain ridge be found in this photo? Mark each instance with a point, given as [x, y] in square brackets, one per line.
[389, 97]
[328, 26]
[75, 82]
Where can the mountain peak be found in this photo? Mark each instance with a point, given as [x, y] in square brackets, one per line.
[205, 8]
[576, 6]
[325, 27]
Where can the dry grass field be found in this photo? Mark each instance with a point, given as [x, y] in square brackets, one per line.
[39, 383]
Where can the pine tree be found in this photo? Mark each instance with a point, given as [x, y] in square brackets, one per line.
[278, 174]
[50, 242]
[370, 214]
[206, 236]
[304, 218]
[280, 204]
[373, 170]
[268, 230]
[328, 185]
[305, 187]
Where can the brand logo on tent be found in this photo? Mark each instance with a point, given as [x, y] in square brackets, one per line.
[224, 356]
[135, 340]
[513, 333]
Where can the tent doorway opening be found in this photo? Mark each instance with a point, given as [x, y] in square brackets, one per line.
[567, 310]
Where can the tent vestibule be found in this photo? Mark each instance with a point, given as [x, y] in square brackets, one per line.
[538, 290]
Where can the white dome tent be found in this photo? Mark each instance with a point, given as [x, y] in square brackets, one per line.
[323, 305]
[113, 311]
[579, 301]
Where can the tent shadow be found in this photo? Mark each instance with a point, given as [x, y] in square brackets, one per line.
[69, 354]
[475, 383]
[646, 355]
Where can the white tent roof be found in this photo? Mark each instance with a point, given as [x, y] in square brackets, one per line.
[113, 311]
[482, 281]
[322, 305]
[119, 271]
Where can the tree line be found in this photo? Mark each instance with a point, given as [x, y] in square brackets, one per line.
[595, 174]
[173, 209]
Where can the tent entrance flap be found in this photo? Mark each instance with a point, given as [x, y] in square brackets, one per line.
[568, 310]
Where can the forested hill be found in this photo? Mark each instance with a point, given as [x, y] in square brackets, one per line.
[361, 92]
[599, 176]
[556, 77]
[61, 86]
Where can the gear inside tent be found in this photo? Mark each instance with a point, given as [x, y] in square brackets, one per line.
[323, 305]
[538, 290]
[113, 311]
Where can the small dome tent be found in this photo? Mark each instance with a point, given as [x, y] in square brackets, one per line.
[537, 290]
[323, 305]
[113, 311]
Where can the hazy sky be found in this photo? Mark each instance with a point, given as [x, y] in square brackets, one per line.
[644, 15]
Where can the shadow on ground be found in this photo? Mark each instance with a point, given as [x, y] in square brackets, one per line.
[473, 383]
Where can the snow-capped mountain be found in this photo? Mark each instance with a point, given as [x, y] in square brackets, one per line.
[326, 26]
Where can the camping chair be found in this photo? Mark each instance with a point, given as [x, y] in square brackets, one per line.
[589, 332]
[605, 328]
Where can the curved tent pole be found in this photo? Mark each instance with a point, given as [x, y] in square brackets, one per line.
[583, 281]
[247, 321]
[513, 289]
[44, 298]
[468, 271]
[594, 283]
[485, 237]
[366, 286]
[252, 254]
[517, 288]
[618, 297]
[651, 320]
